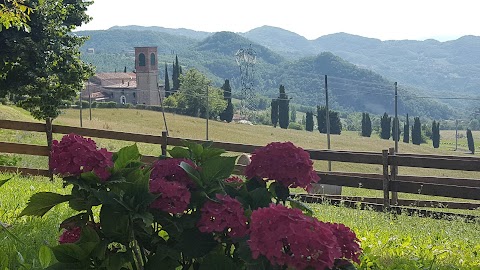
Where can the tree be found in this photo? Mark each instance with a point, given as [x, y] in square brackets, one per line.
[399, 132]
[309, 121]
[385, 123]
[436, 134]
[366, 125]
[15, 13]
[274, 112]
[471, 144]
[335, 123]
[167, 82]
[227, 114]
[47, 68]
[176, 74]
[283, 108]
[192, 95]
[406, 131]
[293, 114]
[416, 131]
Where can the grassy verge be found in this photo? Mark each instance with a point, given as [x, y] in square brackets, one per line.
[389, 242]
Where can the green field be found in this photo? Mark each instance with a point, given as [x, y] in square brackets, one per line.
[389, 242]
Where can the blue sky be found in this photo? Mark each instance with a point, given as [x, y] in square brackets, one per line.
[382, 19]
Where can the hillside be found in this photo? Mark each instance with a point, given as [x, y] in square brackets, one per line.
[303, 77]
[438, 67]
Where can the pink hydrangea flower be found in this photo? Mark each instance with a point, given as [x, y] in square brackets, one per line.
[347, 241]
[286, 236]
[75, 154]
[174, 197]
[170, 170]
[70, 235]
[283, 162]
[225, 215]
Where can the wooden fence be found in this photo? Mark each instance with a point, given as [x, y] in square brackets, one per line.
[389, 181]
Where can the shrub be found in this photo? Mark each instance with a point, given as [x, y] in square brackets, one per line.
[295, 125]
[188, 212]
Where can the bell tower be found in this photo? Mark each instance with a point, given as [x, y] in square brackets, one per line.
[146, 67]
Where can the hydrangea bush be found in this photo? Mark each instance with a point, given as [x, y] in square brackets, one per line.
[187, 211]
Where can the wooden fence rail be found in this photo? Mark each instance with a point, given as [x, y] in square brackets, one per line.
[389, 181]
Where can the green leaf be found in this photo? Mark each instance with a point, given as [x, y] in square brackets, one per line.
[40, 203]
[69, 266]
[45, 256]
[179, 152]
[195, 148]
[211, 152]
[282, 192]
[126, 155]
[165, 258]
[194, 175]
[207, 144]
[89, 240]
[255, 183]
[218, 262]
[115, 223]
[195, 244]
[259, 197]
[300, 205]
[217, 168]
[69, 253]
[2, 182]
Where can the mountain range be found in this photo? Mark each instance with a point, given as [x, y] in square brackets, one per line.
[361, 70]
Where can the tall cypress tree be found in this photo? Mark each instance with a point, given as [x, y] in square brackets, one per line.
[406, 131]
[174, 78]
[368, 128]
[167, 82]
[309, 121]
[436, 134]
[335, 123]
[227, 114]
[385, 124]
[396, 136]
[366, 125]
[471, 144]
[283, 109]
[274, 112]
[176, 74]
[416, 131]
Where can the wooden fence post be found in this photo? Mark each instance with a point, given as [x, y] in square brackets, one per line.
[386, 184]
[393, 173]
[164, 143]
[49, 133]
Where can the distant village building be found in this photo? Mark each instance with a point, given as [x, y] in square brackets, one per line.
[139, 87]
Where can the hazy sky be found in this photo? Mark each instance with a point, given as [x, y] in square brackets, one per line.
[383, 19]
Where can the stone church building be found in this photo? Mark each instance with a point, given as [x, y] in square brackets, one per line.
[138, 87]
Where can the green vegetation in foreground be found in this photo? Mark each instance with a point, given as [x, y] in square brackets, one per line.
[32, 233]
[389, 242]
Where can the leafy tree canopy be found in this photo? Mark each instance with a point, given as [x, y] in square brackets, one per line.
[43, 67]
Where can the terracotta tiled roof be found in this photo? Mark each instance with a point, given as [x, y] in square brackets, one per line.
[128, 84]
[116, 75]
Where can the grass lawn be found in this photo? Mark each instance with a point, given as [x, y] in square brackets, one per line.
[389, 242]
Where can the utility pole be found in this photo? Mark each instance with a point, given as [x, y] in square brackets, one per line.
[327, 120]
[89, 100]
[163, 110]
[80, 98]
[397, 124]
[208, 114]
[396, 138]
[456, 134]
